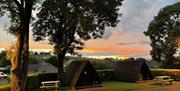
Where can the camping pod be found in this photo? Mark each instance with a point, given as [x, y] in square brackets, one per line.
[81, 74]
[132, 71]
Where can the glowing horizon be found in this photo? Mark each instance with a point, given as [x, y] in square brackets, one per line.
[87, 51]
[126, 40]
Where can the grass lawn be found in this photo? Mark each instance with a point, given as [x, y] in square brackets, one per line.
[120, 86]
[4, 86]
[108, 86]
[123, 86]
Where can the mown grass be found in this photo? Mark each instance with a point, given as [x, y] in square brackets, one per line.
[4, 86]
[123, 86]
[107, 86]
[117, 86]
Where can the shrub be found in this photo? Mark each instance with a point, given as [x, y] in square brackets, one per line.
[173, 73]
[105, 75]
[32, 83]
[174, 66]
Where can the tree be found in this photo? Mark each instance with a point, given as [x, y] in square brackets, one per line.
[3, 59]
[162, 32]
[20, 15]
[68, 23]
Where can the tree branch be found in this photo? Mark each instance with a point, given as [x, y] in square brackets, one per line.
[17, 3]
[22, 3]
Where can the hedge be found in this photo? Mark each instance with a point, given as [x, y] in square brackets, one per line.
[173, 73]
[32, 82]
[47, 77]
[107, 75]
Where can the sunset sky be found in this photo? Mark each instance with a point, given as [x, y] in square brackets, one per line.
[126, 40]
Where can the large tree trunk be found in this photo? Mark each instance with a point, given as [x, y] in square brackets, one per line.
[60, 76]
[21, 57]
[25, 60]
[20, 62]
[16, 64]
[60, 57]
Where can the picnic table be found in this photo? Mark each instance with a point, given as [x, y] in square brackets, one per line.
[163, 79]
[50, 84]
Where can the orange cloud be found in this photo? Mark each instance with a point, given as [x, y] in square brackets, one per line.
[111, 45]
[105, 47]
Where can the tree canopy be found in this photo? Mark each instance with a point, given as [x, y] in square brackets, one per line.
[73, 21]
[69, 23]
[163, 32]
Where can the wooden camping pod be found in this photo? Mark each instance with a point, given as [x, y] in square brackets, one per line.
[81, 74]
[132, 71]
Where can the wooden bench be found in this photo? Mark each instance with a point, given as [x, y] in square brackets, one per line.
[50, 84]
[163, 79]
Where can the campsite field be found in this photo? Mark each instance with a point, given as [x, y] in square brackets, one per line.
[125, 86]
[4, 86]
[110, 86]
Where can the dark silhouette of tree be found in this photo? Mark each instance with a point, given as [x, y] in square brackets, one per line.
[19, 12]
[69, 23]
[162, 32]
[3, 59]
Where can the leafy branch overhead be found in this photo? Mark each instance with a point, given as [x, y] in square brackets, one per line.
[15, 10]
[19, 12]
[68, 23]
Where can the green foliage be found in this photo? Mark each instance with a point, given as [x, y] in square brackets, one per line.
[32, 83]
[47, 77]
[33, 60]
[102, 64]
[173, 66]
[161, 31]
[98, 64]
[69, 23]
[3, 59]
[173, 73]
[52, 60]
[19, 12]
